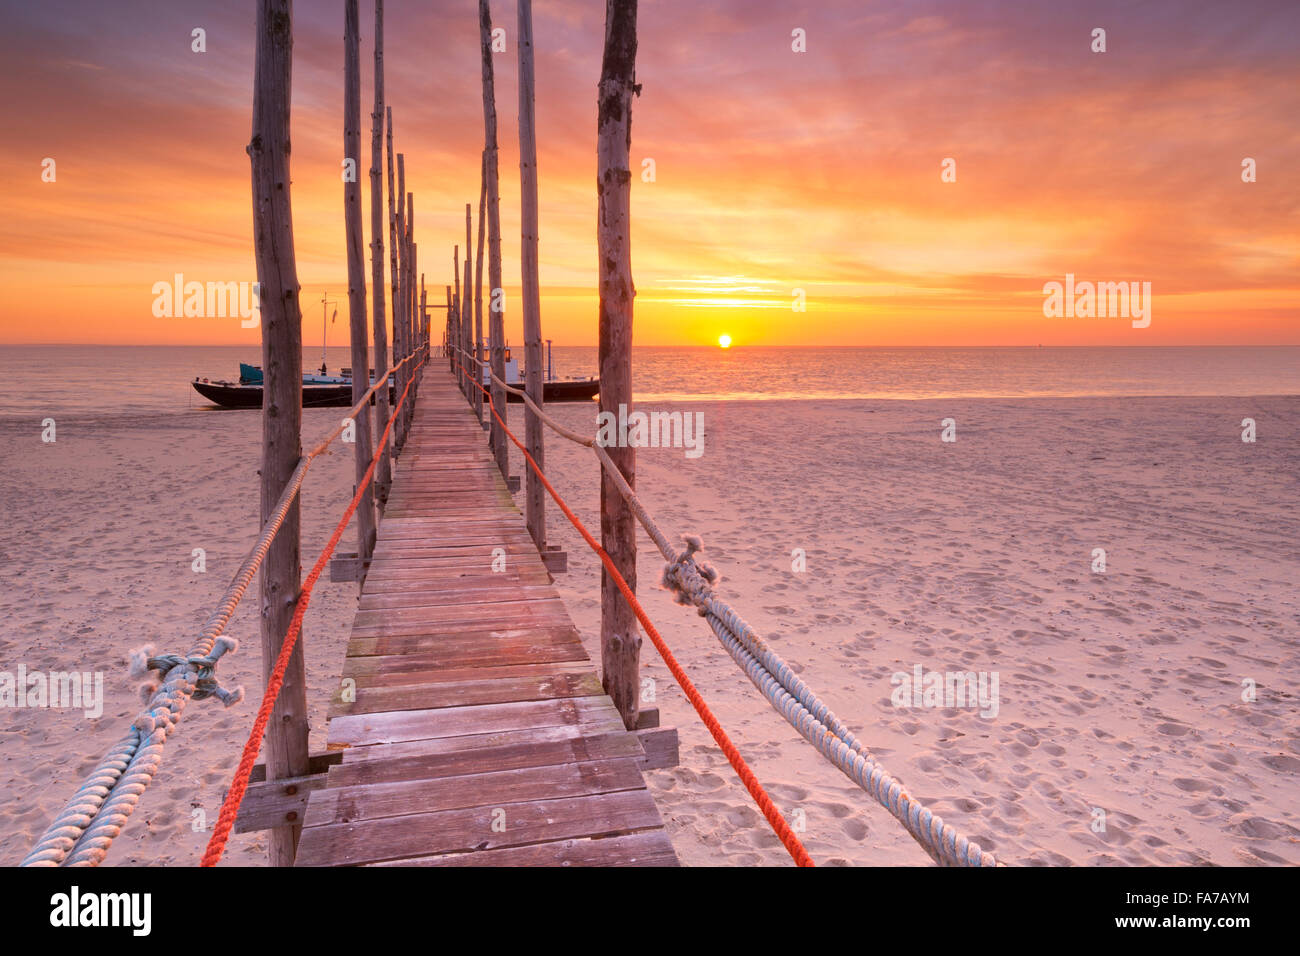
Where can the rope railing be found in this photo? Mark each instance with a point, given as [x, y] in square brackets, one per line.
[692, 583]
[769, 810]
[239, 785]
[83, 831]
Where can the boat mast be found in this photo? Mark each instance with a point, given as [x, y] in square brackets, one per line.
[324, 327]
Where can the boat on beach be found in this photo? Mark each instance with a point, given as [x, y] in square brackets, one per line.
[553, 389]
[322, 390]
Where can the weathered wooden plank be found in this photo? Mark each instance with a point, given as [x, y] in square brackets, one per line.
[579, 681]
[355, 804]
[513, 753]
[357, 730]
[643, 848]
[399, 671]
[449, 831]
[549, 609]
[403, 579]
[456, 641]
[455, 593]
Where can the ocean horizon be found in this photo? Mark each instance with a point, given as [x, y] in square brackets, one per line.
[109, 381]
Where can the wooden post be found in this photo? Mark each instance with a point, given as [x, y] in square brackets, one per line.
[277, 275]
[379, 311]
[480, 352]
[460, 326]
[364, 447]
[453, 327]
[475, 394]
[409, 331]
[620, 641]
[400, 311]
[496, 306]
[535, 498]
[395, 273]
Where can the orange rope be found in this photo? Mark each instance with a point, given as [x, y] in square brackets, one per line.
[235, 796]
[774, 818]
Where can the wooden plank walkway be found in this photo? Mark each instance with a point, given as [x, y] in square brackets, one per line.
[479, 733]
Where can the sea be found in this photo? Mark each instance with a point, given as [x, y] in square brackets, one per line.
[97, 382]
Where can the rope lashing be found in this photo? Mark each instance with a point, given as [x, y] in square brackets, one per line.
[83, 832]
[204, 678]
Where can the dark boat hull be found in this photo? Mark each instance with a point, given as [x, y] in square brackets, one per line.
[583, 390]
[231, 395]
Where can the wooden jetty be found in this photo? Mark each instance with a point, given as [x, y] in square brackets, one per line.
[472, 725]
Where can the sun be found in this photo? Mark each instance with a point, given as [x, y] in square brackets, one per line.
[724, 341]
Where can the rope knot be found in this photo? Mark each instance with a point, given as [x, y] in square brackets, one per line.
[199, 670]
[691, 581]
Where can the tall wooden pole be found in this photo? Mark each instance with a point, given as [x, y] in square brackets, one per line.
[496, 305]
[401, 310]
[474, 392]
[535, 498]
[480, 352]
[277, 275]
[453, 328]
[394, 271]
[409, 407]
[460, 325]
[379, 311]
[620, 642]
[364, 447]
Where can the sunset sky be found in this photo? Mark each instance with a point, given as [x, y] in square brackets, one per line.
[775, 170]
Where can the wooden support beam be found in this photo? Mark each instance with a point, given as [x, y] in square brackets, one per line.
[379, 309]
[281, 802]
[363, 446]
[661, 748]
[277, 273]
[348, 566]
[534, 439]
[620, 639]
[555, 559]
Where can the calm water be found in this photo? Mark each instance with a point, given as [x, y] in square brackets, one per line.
[100, 381]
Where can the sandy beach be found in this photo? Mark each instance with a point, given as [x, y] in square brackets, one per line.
[1119, 692]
